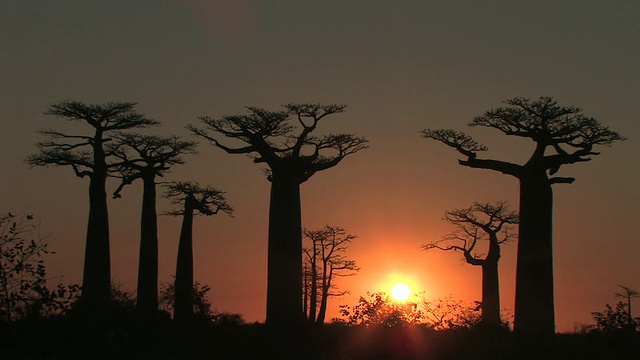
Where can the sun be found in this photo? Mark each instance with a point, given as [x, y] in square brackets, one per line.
[400, 292]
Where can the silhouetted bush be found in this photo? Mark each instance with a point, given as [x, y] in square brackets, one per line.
[615, 320]
[24, 292]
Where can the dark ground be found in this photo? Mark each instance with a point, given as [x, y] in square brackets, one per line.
[65, 339]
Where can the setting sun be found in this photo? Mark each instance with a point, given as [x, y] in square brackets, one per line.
[400, 292]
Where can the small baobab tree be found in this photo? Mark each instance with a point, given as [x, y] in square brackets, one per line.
[86, 153]
[562, 135]
[193, 200]
[283, 141]
[481, 222]
[147, 157]
[325, 260]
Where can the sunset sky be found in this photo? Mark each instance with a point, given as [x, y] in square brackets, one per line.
[399, 66]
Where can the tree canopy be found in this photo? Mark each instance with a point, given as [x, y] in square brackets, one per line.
[565, 130]
[283, 138]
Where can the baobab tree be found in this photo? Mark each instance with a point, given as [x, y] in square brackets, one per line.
[562, 135]
[283, 141]
[147, 157]
[87, 155]
[481, 222]
[194, 200]
[325, 260]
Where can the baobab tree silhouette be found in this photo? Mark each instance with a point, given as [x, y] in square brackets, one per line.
[88, 156]
[147, 157]
[194, 200]
[562, 136]
[481, 222]
[283, 141]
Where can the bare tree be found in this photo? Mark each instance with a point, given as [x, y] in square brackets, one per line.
[478, 223]
[628, 294]
[326, 260]
[562, 136]
[194, 200]
[147, 157]
[283, 141]
[87, 155]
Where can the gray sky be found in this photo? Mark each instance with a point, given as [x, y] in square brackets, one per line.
[400, 66]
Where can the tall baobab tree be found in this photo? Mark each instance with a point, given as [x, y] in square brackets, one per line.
[477, 223]
[562, 135]
[628, 293]
[326, 260]
[147, 157]
[87, 155]
[283, 141]
[194, 200]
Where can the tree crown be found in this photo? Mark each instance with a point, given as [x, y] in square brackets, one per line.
[564, 130]
[479, 222]
[205, 200]
[146, 155]
[548, 123]
[81, 151]
[283, 139]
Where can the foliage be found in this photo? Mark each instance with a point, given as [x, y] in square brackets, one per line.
[123, 302]
[377, 309]
[226, 319]
[202, 308]
[23, 276]
[201, 304]
[615, 320]
[448, 313]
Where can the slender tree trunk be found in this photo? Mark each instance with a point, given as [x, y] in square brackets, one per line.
[326, 285]
[96, 280]
[305, 291]
[490, 294]
[322, 313]
[313, 300]
[147, 302]
[284, 279]
[183, 307]
[534, 308]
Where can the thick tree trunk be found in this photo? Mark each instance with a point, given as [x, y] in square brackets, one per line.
[147, 302]
[183, 306]
[534, 308]
[284, 279]
[490, 294]
[96, 280]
